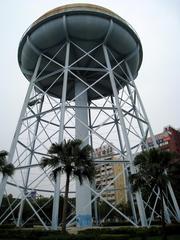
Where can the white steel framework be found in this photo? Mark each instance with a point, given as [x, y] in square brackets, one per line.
[118, 120]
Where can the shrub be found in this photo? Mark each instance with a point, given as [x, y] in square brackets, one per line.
[114, 237]
[131, 231]
[173, 229]
[69, 237]
[21, 233]
[107, 224]
[7, 226]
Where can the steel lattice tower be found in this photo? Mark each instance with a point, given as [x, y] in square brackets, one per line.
[81, 61]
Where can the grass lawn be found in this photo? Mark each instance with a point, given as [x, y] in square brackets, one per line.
[111, 233]
[172, 237]
[51, 236]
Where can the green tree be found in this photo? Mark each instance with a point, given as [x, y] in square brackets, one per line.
[73, 160]
[5, 168]
[152, 166]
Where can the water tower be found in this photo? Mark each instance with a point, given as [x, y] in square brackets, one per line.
[81, 61]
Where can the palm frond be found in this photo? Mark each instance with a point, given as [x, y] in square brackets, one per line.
[75, 142]
[54, 173]
[51, 161]
[84, 172]
[78, 174]
[74, 160]
[2, 162]
[8, 169]
[89, 174]
[55, 148]
[151, 166]
[3, 153]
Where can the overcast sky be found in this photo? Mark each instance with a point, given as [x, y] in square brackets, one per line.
[157, 23]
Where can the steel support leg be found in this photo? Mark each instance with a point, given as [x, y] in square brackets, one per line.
[124, 133]
[18, 129]
[125, 171]
[55, 212]
[141, 105]
[19, 222]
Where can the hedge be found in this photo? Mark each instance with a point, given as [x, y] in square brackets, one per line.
[10, 232]
[134, 231]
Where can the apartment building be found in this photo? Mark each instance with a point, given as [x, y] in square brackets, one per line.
[110, 175]
[168, 140]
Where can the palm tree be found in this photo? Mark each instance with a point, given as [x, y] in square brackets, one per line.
[5, 168]
[152, 166]
[73, 160]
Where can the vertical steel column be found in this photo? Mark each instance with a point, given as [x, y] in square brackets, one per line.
[126, 170]
[19, 222]
[19, 124]
[83, 194]
[137, 116]
[142, 106]
[55, 212]
[125, 136]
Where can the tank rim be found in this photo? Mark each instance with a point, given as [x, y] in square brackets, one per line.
[72, 9]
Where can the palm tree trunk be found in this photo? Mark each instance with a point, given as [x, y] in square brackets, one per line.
[164, 237]
[65, 203]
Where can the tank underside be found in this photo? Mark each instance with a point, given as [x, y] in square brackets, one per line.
[85, 28]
